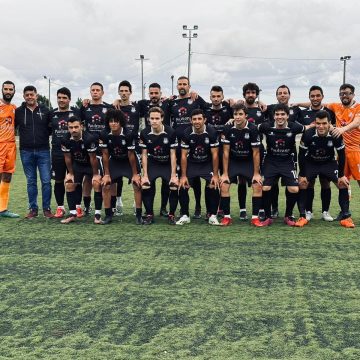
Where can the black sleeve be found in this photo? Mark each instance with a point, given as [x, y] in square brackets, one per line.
[341, 161]
[202, 103]
[301, 159]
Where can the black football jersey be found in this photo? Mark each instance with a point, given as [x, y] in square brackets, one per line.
[132, 113]
[158, 145]
[309, 116]
[93, 118]
[117, 145]
[320, 149]
[241, 141]
[295, 114]
[59, 127]
[255, 115]
[146, 105]
[199, 145]
[280, 143]
[80, 149]
[180, 113]
[217, 118]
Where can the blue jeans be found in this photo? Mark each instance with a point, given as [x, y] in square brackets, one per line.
[31, 161]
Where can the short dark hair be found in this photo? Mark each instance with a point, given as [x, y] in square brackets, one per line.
[251, 86]
[8, 82]
[183, 78]
[155, 85]
[73, 119]
[281, 107]
[65, 91]
[157, 109]
[283, 86]
[217, 88]
[347, 86]
[238, 107]
[322, 114]
[197, 112]
[97, 84]
[316, 87]
[116, 115]
[125, 83]
[30, 88]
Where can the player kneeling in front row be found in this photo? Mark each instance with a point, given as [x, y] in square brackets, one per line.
[79, 148]
[199, 158]
[241, 158]
[119, 160]
[158, 143]
[317, 158]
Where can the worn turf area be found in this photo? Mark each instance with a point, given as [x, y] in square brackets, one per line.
[122, 291]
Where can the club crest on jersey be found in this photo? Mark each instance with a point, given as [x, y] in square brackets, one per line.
[330, 143]
[123, 142]
[258, 113]
[104, 110]
[166, 140]
[207, 141]
[289, 134]
[133, 110]
[224, 110]
[247, 136]
[189, 101]
[291, 112]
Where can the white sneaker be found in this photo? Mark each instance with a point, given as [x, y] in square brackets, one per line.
[213, 220]
[183, 220]
[326, 216]
[119, 207]
[309, 215]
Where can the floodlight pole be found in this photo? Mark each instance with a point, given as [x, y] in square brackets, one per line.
[344, 59]
[190, 35]
[142, 59]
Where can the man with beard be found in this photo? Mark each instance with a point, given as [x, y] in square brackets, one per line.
[58, 122]
[347, 124]
[255, 116]
[180, 115]
[7, 146]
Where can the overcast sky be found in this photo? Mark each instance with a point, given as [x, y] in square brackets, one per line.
[298, 43]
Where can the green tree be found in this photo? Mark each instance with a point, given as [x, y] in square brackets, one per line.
[79, 102]
[42, 99]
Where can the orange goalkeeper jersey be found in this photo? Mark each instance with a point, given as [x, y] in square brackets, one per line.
[344, 116]
[7, 122]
